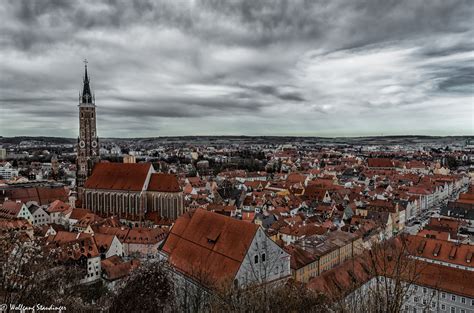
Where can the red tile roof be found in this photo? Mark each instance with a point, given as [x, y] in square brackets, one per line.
[138, 235]
[441, 250]
[299, 257]
[207, 245]
[75, 249]
[58, 206]
[315, 192]
[41, 195]
[103, 240]
[115, 268]
[79, 213]
[18, 224]
[353, 273]
[118, 176]
[65, 236]
[88, 219]
[380, 162]
[163, 183]
[10, 209]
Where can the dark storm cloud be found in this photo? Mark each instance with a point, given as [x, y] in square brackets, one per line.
[461, 79]
[184, 107]
[244, 66]
[277, 92]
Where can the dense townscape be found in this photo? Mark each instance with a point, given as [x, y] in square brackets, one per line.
[244, 156]
[236, 224]
[242, 214]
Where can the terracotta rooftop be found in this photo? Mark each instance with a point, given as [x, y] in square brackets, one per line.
[17, 224]
[10, 209]
[353, 273]
[299, 257]
[138, 235]
[162, 182]
[204, 243]
[79, 213]
[441, 250]
[72, 246]
[58, 206]
[119, 176]
[380, 162]
[115, 268]
[41, 195]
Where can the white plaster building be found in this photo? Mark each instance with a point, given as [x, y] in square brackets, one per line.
[224, 251]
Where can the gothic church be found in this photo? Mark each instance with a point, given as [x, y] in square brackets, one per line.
[128, 191]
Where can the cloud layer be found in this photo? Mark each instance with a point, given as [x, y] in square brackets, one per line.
[316, 68]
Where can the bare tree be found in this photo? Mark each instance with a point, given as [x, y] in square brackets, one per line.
[391, 277]
[30, 275]
[288, 297]
[147, 289]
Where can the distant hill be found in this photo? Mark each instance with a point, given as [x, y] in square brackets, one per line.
[53, 140]
[373, 140]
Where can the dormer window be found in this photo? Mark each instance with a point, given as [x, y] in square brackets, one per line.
[213, 236]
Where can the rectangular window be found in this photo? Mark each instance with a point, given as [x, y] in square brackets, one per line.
[463, 300]
[453, 297]
[453, 309]
[443, 307]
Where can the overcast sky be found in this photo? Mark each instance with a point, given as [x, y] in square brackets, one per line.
[313, 68]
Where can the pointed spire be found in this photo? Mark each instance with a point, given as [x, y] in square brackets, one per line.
[86, 91]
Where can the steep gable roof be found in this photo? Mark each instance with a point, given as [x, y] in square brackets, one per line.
[441, 250]
[58, 206]
[118, 176]
[207, 245]
[163, 182]
[11, 208]
[41, 195]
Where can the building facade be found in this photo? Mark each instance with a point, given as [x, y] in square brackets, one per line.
[131, 190]
[218, 251]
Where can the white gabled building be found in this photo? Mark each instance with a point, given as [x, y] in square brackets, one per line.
[224, 250]
[40, 216]
[7, 171]
[15, 209]
[59, 212]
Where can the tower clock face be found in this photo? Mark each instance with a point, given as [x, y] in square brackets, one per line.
[82, 144]
[94, 143]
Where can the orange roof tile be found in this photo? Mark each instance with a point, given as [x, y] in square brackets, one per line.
[118, 176]
[163, 183]
[203, 243]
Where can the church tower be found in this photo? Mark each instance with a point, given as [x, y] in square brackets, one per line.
[88, 142]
